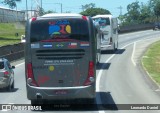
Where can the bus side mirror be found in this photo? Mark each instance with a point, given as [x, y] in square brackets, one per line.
[13, 67]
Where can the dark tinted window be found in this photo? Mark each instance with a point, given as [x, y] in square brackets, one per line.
[103, 21]
[59, 29]
[1, 65]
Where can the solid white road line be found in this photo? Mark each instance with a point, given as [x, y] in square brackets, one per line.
[19, 64]
[98, 99]
[132, 57]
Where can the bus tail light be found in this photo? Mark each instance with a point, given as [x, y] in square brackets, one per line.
[84, 17]
[30, 76]
[90, 77]
[34, 19]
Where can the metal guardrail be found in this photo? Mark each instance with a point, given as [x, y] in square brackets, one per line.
[132, 28]
[12, 52]
[14, 56]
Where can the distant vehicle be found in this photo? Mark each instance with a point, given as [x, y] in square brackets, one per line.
[109, 28]
[6, 74]
[23, 39]
[61, 53]
[156, 26]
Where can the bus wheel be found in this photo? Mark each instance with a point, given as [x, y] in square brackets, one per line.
[114, 49]
[12, 86]
[117, 46]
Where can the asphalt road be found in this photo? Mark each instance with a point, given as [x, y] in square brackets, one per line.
[121, 81]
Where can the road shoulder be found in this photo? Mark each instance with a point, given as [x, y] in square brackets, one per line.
[141, 48]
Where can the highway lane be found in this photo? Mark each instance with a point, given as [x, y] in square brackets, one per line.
[124, 81]
[119, 81]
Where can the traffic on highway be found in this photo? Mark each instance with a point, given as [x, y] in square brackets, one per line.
[58, 61]
[120, 79]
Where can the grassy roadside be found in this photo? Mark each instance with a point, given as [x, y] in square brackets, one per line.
[7, 34]
[151, 61]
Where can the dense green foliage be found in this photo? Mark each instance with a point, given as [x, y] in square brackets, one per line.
[94, 11]
[141, 13]
[91, 10]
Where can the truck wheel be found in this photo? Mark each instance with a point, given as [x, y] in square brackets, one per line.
[12, 86]
[9, 88]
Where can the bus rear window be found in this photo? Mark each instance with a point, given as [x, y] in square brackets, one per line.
[76, 29]
[103, 21]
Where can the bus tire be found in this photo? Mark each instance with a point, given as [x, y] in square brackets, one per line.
[33, 102]
[117, 46]
[114, 49]
[37, 102]
[12, 86]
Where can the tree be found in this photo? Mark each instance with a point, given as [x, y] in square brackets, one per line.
[155, 7]
[41, 11]
[133, 12]
[87, 6]
[145, 13]
[11, 3]
[95, 11]
[50, 11]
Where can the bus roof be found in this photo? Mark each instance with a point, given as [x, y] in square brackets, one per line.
[62, 15]
[98, 16]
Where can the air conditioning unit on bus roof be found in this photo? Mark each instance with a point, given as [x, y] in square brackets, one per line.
[61, 14]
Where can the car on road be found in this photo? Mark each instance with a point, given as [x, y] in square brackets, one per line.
[156, 26]
[6, 74]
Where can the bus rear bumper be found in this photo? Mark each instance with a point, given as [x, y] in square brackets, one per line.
[106, 47]
[60, 93]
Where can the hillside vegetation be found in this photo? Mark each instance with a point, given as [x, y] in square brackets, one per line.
[8, 33]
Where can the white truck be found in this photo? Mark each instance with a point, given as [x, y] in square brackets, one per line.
[109, 31]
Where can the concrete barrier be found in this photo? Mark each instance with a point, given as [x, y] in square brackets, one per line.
[12, 52]
[132, 28]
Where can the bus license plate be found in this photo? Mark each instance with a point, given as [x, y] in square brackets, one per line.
[62, 92]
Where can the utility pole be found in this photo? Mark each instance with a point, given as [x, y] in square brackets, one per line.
[41, 4]
[120, 8]
[60, 5]
[27, 9]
